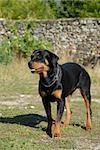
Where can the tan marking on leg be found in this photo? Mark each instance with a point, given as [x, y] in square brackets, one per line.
[56, 129]
[88, 120]
[68, 112]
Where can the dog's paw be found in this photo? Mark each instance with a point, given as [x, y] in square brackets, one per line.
[56, 130]
[88, 126]
[57, 135]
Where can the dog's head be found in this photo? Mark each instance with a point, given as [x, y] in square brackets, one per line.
[42, 61]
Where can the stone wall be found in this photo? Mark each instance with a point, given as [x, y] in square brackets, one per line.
[77, 39]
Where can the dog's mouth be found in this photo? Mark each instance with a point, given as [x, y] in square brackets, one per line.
[37, 70]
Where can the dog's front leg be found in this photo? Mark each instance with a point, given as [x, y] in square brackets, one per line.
[47, 107]
[60, 110]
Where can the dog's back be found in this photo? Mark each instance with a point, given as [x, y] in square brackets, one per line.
[74, 76]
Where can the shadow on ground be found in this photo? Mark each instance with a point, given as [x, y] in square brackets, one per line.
[31, 120]
[78, 125]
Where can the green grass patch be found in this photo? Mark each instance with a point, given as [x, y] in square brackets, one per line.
[16, 79]
[25, 128]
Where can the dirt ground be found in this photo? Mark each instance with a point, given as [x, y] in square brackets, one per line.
[23, 100]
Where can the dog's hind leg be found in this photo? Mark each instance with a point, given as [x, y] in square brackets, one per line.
[87, 99]
[68, 112]
[84, 86]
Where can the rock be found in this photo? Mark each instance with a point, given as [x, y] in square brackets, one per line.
[75, 35]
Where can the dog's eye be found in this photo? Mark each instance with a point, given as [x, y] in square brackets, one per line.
[38, 57]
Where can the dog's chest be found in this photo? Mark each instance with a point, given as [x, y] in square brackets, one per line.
[56, 94]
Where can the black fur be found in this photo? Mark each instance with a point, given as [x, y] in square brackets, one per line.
[67, 78]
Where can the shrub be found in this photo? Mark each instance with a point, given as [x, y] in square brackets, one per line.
[22, 9]
[48, 9]
[20, 44]
[6, 52]
[79, 8]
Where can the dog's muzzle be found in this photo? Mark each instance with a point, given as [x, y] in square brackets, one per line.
[35, 70]
[30, 67]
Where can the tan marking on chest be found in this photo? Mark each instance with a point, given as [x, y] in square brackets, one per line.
[57, 93]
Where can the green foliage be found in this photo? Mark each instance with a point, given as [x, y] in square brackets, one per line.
[79, 8]
[48, 9]
[5, 52]
[23, 44]
[22, 9]
[20, 43]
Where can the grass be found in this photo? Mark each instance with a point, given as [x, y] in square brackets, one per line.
[16, 79]
[95, 81]
[23, 125]
[24, 128]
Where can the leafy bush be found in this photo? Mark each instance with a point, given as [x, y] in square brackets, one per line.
[6, 52]
[48, 9]
[79, 8]
[20, 44]
[22, 9]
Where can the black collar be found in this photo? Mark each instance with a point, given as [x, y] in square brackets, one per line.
[54, 79]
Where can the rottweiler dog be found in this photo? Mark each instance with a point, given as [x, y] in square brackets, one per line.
[57, 82]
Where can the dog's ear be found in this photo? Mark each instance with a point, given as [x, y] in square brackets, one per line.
[53, 58]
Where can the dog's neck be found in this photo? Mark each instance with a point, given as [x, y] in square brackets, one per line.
[48, 79]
